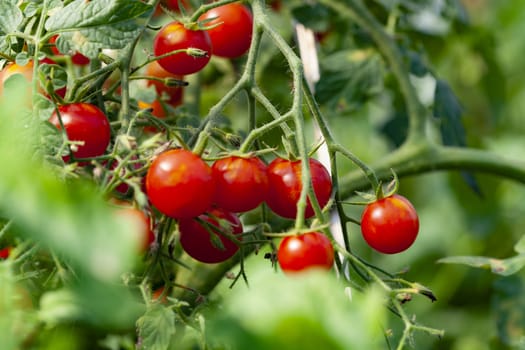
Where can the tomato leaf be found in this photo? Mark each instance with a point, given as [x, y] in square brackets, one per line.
[156, 327]
[504, 267]
[88, 26]
[11, 17]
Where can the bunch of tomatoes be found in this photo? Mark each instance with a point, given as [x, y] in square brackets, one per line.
[207, 200]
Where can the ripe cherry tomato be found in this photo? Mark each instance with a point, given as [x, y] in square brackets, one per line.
[309, 250]
[284, 180]
[180, 184]
[174, 94]
[143, 224]
[4, 253]
[390, 225]
[241, 183]
[231, 32]
[173, 5]
[77, 58]
[84, 122]
[174, 36]
[196, 240]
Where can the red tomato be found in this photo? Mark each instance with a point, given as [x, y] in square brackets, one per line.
[195, 237]
[241, 183]
[84, 122]
[309, 250]
[77, 58]
[174, 36]
[231, 32]
[173, 5]
[5, 252]
[143, 224]
[180, 184]
[174, 93]
[284, 180]
[390, 225]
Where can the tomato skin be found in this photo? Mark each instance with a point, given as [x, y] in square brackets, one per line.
[180, 184]
[390, 225]
[241, 183]
[232, 35]
[84, 122]
[306, 251]
[77, 58]
[173, 5]
[174, 36]
[143, 222]
[174, 93]
[284, 190]
[5, 252]
[195, 238]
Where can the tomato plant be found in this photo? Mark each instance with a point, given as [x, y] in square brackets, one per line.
[285, 185]
[230, 29]
[204, 238]
[175, 36]
[390, 225]
[171, 94]
[85, 123]
[241, 183]
[180, 184]
[305, 251]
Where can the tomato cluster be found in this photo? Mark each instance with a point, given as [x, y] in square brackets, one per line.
[225, 31]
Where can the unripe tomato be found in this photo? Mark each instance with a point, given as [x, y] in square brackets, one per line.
[306, 251]
[231, 29]
[180, 184]
[242, 183]
[196, 239]
[390, 225]
[174, 36]
[285, 185]
[87, 123]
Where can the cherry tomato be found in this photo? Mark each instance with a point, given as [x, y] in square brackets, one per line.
[174, 94]
[84, 122]
[309, 250]
[196, 240]
[76, 57]
[231, 32]
[174, 36]
[143, 224]
[157, 110]
[241, 183]
[173, 5]
[390, 225]
[4, 253]
[284, 180]
[180, 184]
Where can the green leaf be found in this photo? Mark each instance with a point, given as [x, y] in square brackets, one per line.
[11, 16]
[89, 26]
[520, 246]
[156, 327]
[508, 306]
[504, 267]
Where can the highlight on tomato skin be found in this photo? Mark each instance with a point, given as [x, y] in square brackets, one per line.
[197, 241]
[305, 251]
[390, 225]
